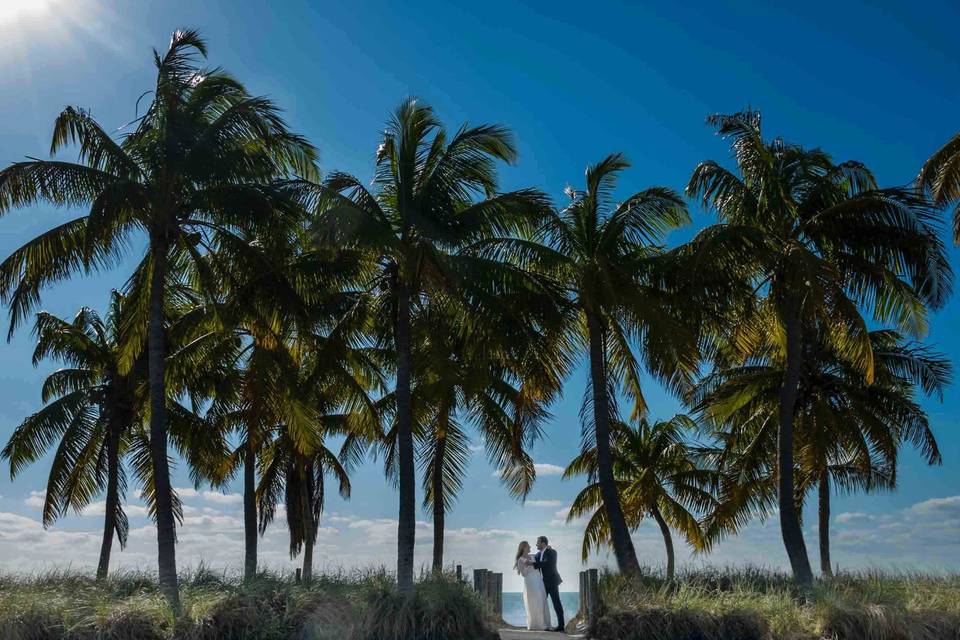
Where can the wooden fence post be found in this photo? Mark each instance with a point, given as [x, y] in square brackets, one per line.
[297, 575]
[593, 588]
[459, 573]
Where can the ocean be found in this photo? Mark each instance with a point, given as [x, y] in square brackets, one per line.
[514, 613]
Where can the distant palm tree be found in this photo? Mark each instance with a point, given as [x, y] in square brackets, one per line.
[607, 258]
[471, 376]
[940, 176]
[657, 474]
[435, 199]
[819, 240]
[197, 167]
[96, 413]
[848, 433]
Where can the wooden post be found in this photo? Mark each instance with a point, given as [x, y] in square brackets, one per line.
[582, 589]
[459, 573]
[593, 588]
[498, 594]
[297, 576]
[480, 582]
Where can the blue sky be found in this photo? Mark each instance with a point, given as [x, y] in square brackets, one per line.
[574, 82]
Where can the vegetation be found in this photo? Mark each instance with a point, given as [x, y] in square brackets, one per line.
[129, 606]
[274, 313]
[756, 604]
[658, 475]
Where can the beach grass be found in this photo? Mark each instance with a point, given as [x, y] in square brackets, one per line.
[366, 605]
[758, 604]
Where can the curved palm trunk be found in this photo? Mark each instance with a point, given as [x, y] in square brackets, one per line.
[249, 512]
[667, 540]
[619, 532]
[438, 505]
[112, 500]
[156, 355]
[789, 521]
[824, 517]
[406, 529]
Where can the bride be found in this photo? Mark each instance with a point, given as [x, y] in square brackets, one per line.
[534, 593]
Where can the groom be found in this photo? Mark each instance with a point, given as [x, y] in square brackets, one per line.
[546, 562]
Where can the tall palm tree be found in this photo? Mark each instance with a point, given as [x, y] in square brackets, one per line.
[848, 433]
[197, 167]
[821, 241]
[434, 200]
[658, 474]
[940, 177]
[607, 257]
[93, 410]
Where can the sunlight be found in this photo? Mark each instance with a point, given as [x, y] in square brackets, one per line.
[15, 10]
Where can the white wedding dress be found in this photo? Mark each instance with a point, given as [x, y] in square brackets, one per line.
[534, 595]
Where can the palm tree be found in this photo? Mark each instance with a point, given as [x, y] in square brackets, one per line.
[434, 200]
[820, 241]
[657, 474]
[607, 258]
[198, 166]
[465, 373]
[327, 399]
[940, 177]
[848, 433]
[93, 410]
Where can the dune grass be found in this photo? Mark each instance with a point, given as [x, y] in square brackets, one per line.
[748, 604]
[65, 605]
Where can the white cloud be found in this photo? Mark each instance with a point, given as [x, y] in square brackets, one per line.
[222, 498]
[546, 469]
[853, 516]
[939, 507]
[186, 492]
[35, 499]
[543, 503]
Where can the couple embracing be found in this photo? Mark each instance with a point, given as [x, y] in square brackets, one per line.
[540, 579]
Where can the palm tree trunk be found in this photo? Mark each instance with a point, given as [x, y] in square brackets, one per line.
[667, 541]
[619, 532]
[824, 516]
[112, 500]
[438, 505]
[309, 532]
[156, 355]
[789, 521]
[249, 511]
[406, 529]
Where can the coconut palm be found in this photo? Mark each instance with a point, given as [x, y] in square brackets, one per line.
[657, 474]
[197, 166]
[434, 201]
[468, 375]
[820, 241]
[93, 413]
[848, 433]
[940, 177]
[607, 257]
[327, 399]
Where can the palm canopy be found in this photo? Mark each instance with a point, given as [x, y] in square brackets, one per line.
[607, 256]
[821, 239]
[940, 177]
[87, 404]
[658, 474]
[845, 428]
[198, 165]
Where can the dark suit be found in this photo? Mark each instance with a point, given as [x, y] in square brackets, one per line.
[546, 563]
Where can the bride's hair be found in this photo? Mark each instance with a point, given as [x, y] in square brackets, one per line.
[516, 561]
